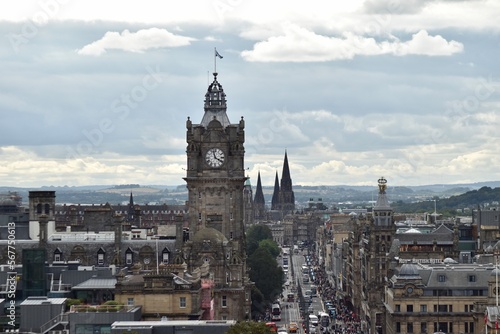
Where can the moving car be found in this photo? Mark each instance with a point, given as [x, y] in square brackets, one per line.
[293, 327]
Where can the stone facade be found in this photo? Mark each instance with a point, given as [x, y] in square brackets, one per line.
[215, 178]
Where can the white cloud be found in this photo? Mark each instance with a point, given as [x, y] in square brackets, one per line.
[299, 44]
[424, 44]
[139, 41]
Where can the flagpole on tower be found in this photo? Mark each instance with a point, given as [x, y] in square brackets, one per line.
[216, 55]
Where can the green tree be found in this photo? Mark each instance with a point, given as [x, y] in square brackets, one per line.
[266, 273]
[271, 246]
[259, 303]
[255, 235]
[249, 327]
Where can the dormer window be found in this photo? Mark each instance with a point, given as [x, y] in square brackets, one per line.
[129, 256]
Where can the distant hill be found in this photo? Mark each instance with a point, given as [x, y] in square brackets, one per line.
[484, 197]
[403, 198]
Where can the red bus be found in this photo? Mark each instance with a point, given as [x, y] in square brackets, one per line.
[272, 326]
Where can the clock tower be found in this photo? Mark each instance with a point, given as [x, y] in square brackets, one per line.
[215, 178]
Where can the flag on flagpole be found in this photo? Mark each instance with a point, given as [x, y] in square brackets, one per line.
[217, 54]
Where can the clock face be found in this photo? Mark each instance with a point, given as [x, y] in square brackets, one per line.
[409, 289]
[214, 157]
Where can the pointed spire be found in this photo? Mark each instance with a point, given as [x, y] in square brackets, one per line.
[259, 194]
[275, 202]
[285, 175]
[131, 200]
[287, 197]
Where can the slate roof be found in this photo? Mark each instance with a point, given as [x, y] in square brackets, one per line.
[96, 284]
[442, 235]
[43, 300]
[456, 276]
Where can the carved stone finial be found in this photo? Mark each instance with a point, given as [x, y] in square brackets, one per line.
[382, 185]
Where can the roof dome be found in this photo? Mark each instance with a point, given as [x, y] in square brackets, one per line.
[409, 271]
[209, 234]
[215, 105]
[449, 260]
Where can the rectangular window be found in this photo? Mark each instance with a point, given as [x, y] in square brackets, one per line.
[423, 308]
[182, 302]
[130, 301]
[409, 327]
[57, 257]
[423, 327]
[224, 301]
[128, 258]
[441, 308]
[442, 278]
[397, 308]
[398, 327]
[409, 308]
[100, 259]
[469, 327]
[199, 216]
[472, 278]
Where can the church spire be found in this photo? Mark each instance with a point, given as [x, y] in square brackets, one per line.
[287, 197]
[285, 175]
[259, 202]
[131, 200]
[131, 209]
[259, 194]
[275, 202]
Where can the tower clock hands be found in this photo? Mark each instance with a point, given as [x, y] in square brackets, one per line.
[214, 157]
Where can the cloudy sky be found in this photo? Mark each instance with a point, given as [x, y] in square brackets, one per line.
[98, 92]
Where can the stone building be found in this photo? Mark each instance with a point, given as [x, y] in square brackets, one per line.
[215, 178]
[447, 297]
